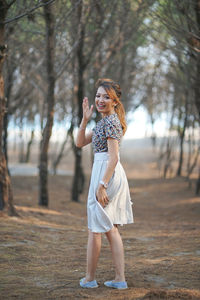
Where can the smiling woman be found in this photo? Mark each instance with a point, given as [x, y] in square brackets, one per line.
[112, 94]
[109, 203]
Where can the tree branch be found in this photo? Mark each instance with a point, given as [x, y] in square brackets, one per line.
[11, 3]
[67, 59]
[28, 12]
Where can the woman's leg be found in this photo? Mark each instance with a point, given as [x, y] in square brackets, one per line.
[117, 249]
[93, 251]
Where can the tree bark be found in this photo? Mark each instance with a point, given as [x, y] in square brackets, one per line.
[29, 147]
[50, 100]
[6, 197]
[168, 158]
[198, 184]
[181, 138]
[197, 81]
[9, 84]
[78, 179]
[61, 152]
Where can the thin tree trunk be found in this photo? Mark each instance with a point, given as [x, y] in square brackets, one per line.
[5, 136]
[50, 99]
[180, 162]
[60, 154]
[182, 136]
[194, 163]
[78, 180]
[193, 154]
[29, 147]
[6, 197]
[168, 158]
[8, 89]
[197, 81]
[198, 184]
[21, 145]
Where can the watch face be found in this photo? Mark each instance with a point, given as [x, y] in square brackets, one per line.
[105, 185]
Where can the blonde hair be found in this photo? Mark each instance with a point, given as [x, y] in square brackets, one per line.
[114, 92]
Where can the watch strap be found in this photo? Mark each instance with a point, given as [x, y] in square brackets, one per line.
[103, 183]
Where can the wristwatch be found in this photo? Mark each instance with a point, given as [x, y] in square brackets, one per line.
[103, 183]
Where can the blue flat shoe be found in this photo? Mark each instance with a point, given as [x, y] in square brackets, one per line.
[121, 285]
[88, 285]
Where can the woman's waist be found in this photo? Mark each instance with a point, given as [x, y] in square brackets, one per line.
[102, 156]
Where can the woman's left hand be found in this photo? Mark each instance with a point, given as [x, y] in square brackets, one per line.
[101, 195]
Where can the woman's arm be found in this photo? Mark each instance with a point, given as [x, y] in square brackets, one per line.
[113, 148]
[82, 138]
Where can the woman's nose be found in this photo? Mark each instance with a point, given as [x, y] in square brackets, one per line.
[101, 98]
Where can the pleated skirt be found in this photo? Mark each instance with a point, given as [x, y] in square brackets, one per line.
[119, 209]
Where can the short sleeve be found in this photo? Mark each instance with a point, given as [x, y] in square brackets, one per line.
[113, 129]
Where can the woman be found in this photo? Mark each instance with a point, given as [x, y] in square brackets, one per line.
[109, 203]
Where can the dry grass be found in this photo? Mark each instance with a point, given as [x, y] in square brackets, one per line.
[43, 251]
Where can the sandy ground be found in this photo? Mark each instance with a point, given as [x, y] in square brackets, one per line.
[43, 251]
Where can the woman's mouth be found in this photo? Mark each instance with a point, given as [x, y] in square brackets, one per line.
[101, 106]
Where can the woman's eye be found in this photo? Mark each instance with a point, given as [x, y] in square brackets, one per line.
[105, 97]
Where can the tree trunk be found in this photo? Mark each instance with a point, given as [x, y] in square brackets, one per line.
[29, 147]
[21, 145]
[168, 158]
[78, 180]
[182, 136]
[197, 81]
[60, 154]
[50, 99]
[198, 184]
[179, 169]
[6, 197]
[9, 85]
[5, 136]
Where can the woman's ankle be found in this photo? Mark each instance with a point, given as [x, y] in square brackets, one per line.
[119, 278]
[89, 277]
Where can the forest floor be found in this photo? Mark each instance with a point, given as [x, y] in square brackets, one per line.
[43, 251]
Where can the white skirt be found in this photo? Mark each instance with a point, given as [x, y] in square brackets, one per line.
[119, 208]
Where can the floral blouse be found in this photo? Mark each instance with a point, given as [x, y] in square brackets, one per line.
[108, 126]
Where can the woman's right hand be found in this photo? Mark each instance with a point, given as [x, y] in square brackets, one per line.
[102, 196]
[87, 112]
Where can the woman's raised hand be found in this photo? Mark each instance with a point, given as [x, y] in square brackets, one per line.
[87, 112]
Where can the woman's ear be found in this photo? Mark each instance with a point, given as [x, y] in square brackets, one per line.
[115, 103]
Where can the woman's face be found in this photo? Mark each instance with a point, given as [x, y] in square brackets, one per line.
[104, 104]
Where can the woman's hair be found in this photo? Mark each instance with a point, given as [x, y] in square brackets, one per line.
[114, 92]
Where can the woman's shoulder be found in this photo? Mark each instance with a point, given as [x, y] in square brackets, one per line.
[112, 120]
